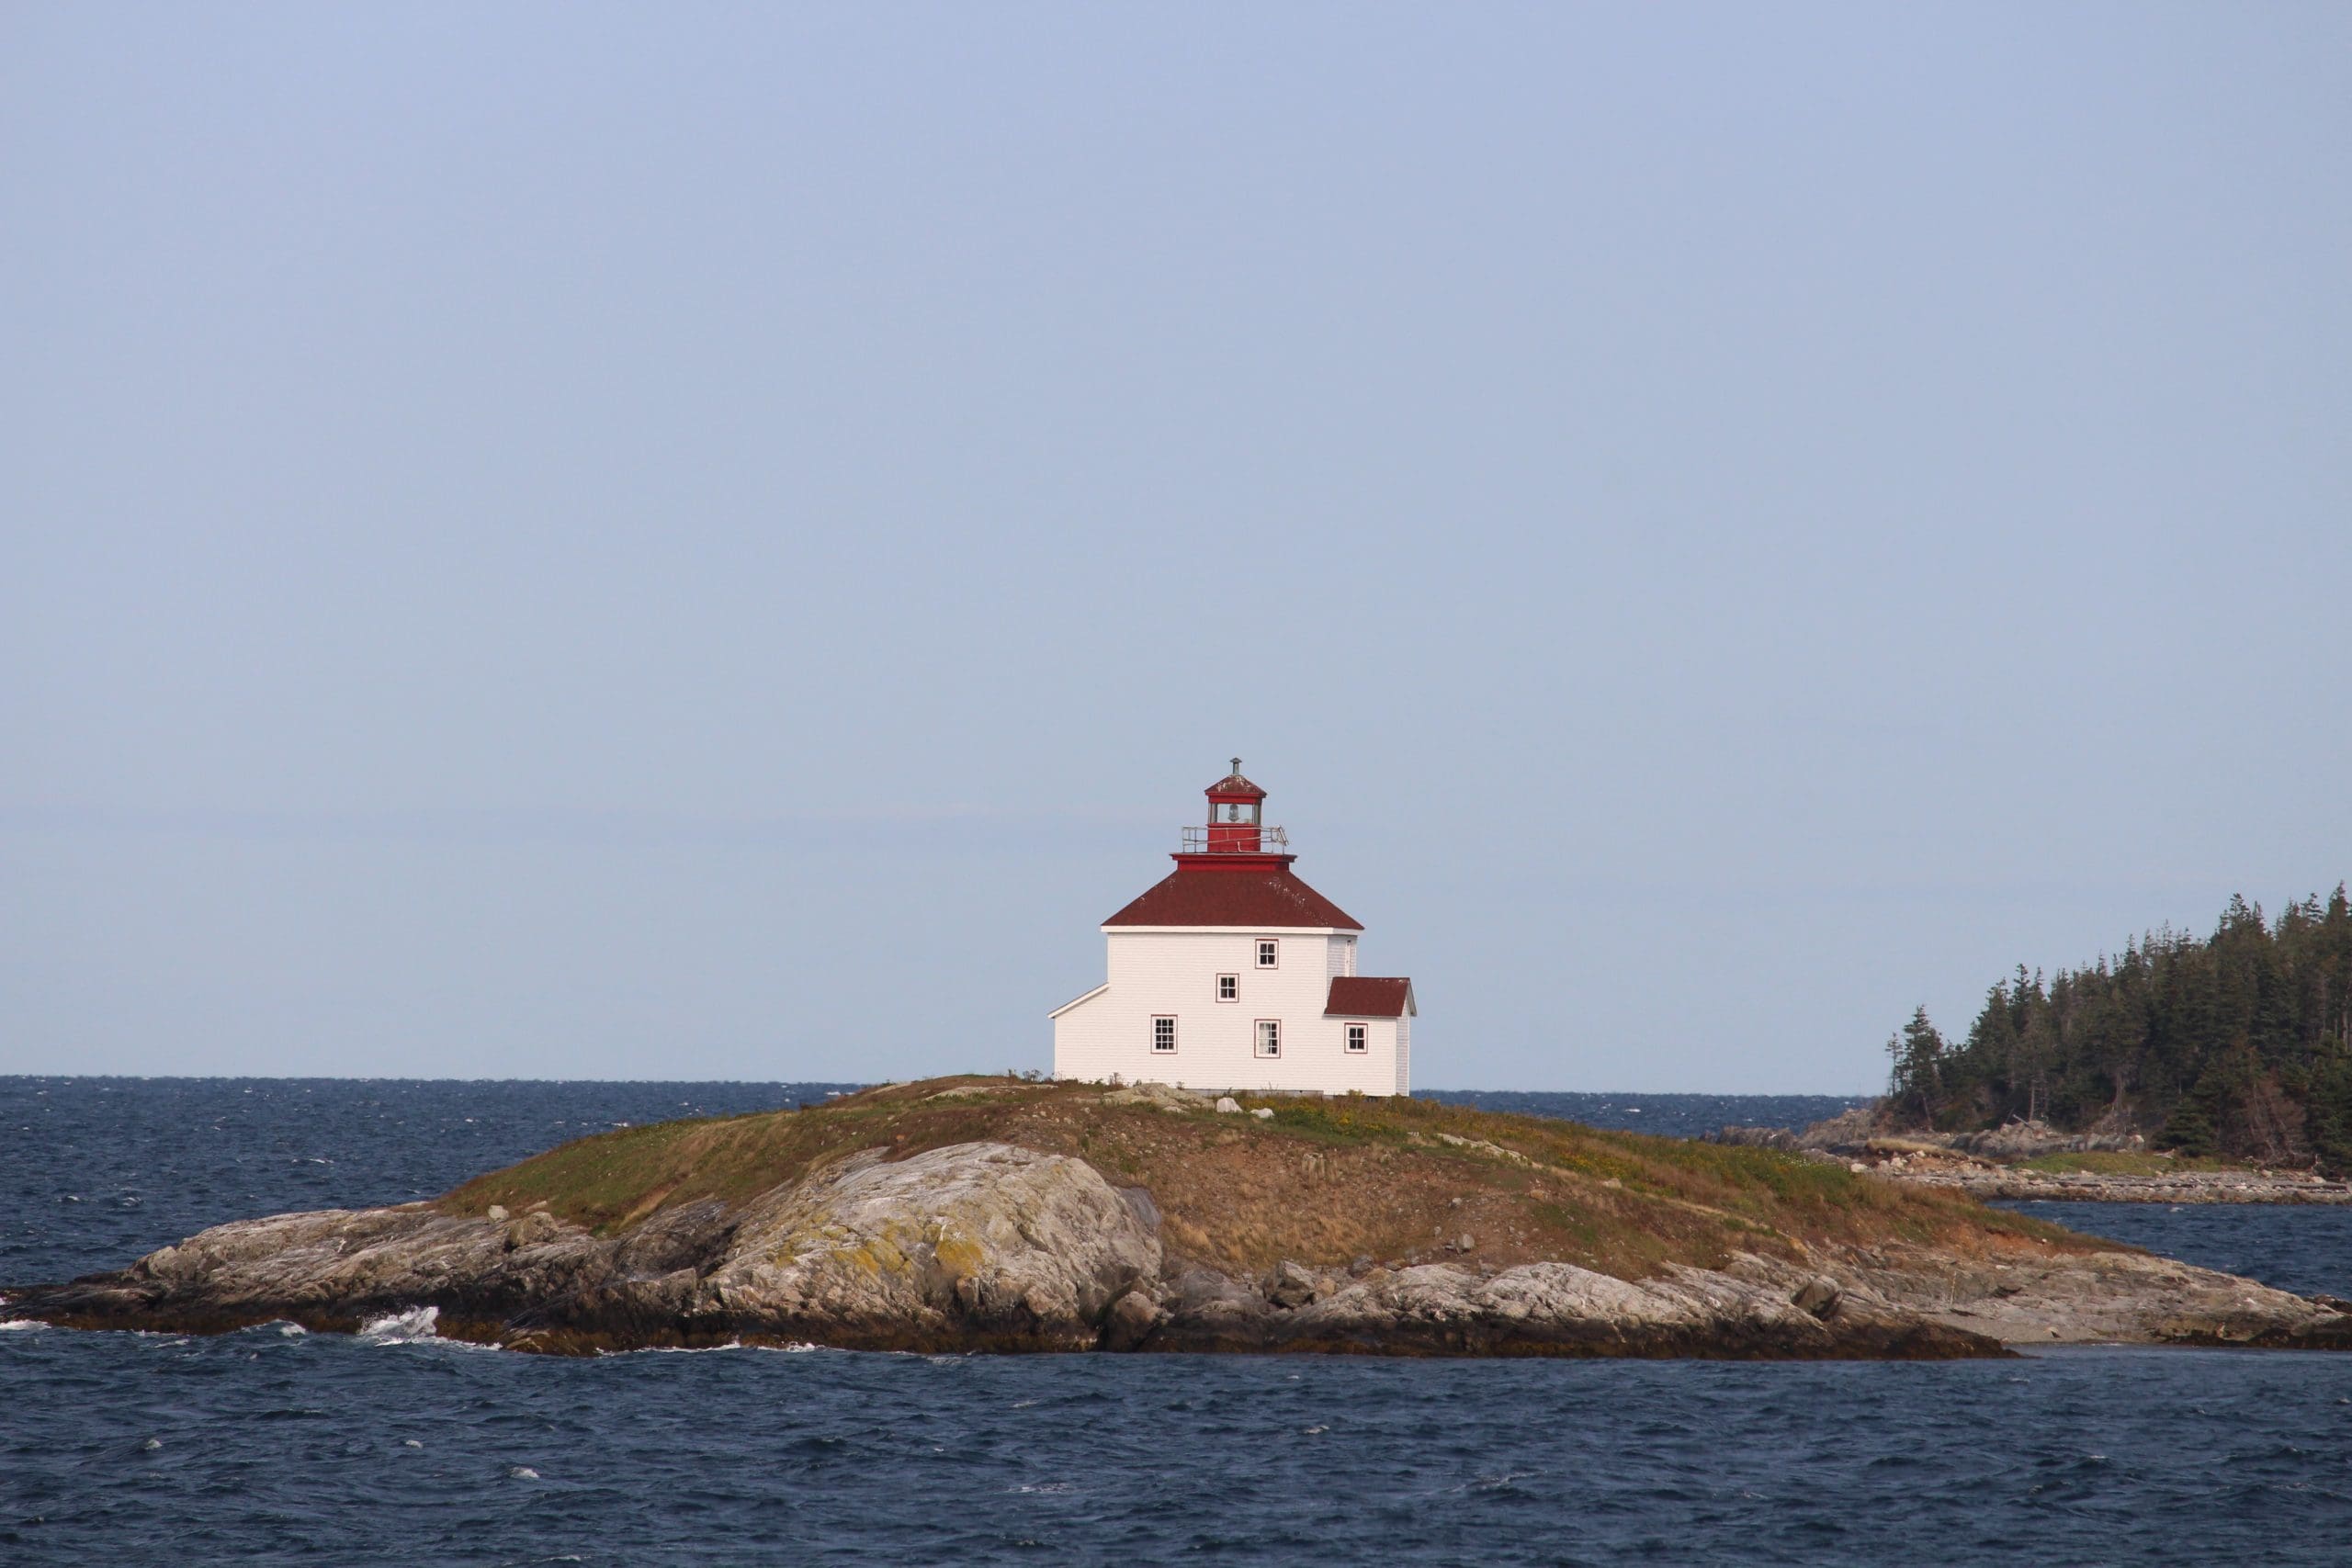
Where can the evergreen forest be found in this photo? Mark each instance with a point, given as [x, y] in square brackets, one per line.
[2237, 1045]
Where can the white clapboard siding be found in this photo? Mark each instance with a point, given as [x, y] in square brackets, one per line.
[1171, 972]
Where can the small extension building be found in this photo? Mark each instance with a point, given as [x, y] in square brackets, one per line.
[1232, 974]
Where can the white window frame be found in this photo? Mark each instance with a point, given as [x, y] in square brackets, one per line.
[1169, 1020]
[1228, 987]
[1270, 953]
[1266, 1038]
[1356, 1038]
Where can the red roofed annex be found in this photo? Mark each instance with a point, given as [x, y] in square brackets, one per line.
[1231, 972]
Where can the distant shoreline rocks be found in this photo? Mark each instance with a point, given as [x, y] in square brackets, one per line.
[1993, 1163]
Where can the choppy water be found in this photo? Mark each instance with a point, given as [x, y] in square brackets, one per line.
[395, 1447]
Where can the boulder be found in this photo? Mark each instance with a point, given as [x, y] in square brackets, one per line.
[1817, 1296]
[533, 1229]
[1130, 1322]
[1207, 1310]
[981, 1243]
[1165, 1097]
[1290, 1286]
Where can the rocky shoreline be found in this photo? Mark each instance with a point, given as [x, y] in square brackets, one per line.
[987, 1245]
[1990, 1164]
[1985, 1180]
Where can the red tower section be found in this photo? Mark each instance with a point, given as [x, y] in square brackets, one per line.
[1204, 889]
[1236, 837]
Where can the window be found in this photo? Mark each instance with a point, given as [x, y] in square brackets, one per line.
[1270, 1037]
[1228, 987]
[1356, 1033]
[1268, 950]
[1163, 1036]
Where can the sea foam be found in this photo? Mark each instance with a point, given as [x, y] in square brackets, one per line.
[402, 1328]
[417, 1326]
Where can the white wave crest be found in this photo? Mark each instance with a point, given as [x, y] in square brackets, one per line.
[402, 1328]
[417, 1326]
[25, 1325]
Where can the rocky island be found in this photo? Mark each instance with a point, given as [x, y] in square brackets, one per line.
[1008, 1214]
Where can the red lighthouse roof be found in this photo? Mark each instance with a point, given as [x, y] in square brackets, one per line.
[1265, 897]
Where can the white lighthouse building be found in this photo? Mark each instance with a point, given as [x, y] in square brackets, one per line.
[1232, 974]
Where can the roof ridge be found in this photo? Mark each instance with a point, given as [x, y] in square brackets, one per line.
[1276, 897]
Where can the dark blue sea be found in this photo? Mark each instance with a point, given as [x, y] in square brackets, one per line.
[277, 1447]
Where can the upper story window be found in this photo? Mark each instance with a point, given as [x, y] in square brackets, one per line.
[1228, 987]
[1163, 1036]
[1237, 812]
[1357, 1036]
[1270, 1037]
[1269, 951]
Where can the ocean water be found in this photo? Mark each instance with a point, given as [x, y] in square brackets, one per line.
[395, 1447]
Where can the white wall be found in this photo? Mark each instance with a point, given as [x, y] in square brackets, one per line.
[1172, 972]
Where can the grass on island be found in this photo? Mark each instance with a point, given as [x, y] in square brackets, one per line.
[1323, 1181]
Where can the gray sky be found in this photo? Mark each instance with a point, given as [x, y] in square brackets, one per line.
[711, 542]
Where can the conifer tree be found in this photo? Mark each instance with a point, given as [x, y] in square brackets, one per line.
[1918, 1076]
[2238, 1043]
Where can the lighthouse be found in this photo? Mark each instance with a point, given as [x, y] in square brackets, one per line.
[1230, 973]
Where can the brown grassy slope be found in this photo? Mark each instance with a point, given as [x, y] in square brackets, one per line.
[1324, 1182]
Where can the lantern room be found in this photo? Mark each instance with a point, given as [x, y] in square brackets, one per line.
[1236, 834]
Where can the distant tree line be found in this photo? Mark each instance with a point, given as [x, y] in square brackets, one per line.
[2238, 1043]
